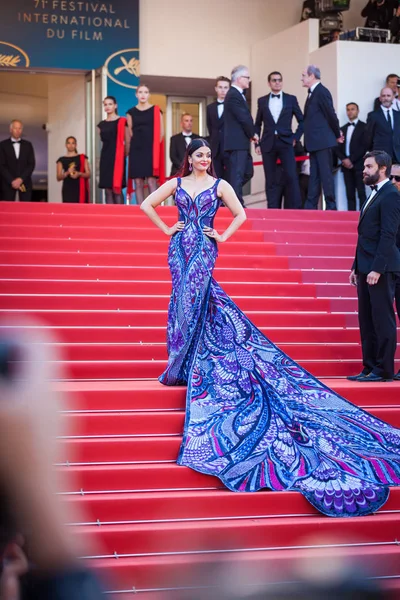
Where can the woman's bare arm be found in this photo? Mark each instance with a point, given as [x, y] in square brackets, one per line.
[155, 199]
[231, 201]
[61, 175]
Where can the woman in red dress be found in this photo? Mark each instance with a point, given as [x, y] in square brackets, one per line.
[113, 134]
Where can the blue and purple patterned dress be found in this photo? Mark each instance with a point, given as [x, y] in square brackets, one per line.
[254, 417]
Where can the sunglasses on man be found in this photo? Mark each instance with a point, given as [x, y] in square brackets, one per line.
[395, 177]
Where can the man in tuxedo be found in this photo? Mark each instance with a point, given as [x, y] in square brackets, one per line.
[17, 163]
[395, 179]
[215, 126]
[392, 83]
[275, 113]
[180, 142]
[351, 153]
[321, 135]
[375, 270]
[383, 127]
[239, 131]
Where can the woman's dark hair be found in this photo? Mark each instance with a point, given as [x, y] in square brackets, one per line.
[382, 159]
[113, 99]
[194, 145]
[71, 137]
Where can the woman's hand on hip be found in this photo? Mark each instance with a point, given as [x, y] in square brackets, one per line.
[179, 226]
[213, 234]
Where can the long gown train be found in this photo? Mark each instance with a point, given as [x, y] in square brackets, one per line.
[254, 417]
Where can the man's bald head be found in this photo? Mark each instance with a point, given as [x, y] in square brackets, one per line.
[386, 97]
[16, 128]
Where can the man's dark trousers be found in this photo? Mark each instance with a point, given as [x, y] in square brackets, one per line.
[321, 173]
[353, 180]
[375, 305]
[241, 170]
[285, 152]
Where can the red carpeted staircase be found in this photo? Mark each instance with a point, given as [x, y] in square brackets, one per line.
[98, 277]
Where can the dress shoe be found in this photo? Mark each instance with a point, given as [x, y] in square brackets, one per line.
[372, 378]
[397, 376]
[356, 377]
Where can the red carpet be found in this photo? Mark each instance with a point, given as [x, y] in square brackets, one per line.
[98, 276]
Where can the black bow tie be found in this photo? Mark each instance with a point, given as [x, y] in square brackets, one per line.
[275, 95]
[16, 141]
[220, 102]
[374, 188]
[187, 135]
[352, 124]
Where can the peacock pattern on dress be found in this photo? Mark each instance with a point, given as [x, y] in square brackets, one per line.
[255, 418]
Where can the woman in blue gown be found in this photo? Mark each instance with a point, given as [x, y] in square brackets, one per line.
[254, 417]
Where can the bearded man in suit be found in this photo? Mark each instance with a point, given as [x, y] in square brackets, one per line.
[376, 269]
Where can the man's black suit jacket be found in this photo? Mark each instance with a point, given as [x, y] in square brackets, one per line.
[358, 145]
[377, 230]
[238, 122]
[177, 149]
[380, 136]
[216, 129]
[11, 168]
[283, 127]
[321, 125]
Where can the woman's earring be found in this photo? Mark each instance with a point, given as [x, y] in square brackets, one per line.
[190, 167]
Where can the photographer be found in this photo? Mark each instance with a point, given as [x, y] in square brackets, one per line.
[49, 569]
[395, 27]
[379, 13]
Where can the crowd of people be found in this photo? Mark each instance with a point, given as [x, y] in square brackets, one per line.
[295, 171]
[291, 183]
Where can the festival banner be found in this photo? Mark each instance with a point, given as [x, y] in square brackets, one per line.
[71, 34]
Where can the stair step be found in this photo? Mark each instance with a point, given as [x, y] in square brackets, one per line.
[113, 301]
[261, 567]
[150, 287]
[223, 535]
[158, 351]
[130, 259]
[199, 504]
[130, 273]
[152, 395]
[151, 369]
[160, 423]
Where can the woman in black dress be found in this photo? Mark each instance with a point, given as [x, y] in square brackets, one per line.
[146, 153]
[74, 171]
[113, 134]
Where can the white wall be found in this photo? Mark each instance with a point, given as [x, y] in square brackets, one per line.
[66, 116]
[287, 52]
[207, 39]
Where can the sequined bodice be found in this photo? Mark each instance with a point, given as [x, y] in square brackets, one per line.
[199, 210]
